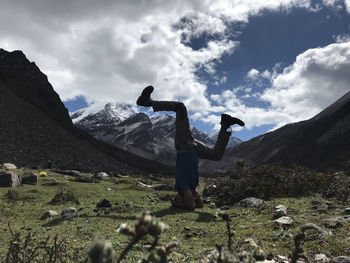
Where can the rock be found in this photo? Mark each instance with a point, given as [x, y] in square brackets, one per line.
[109, 189]
[341, 259]
[8, 166]
[69, 172]
[102, 174]
[347, 211]
[280, 211]
[321, 258]
[284, 221]
[333, 225]
[339, 219]
[9, 179]
[251, 202]
[104, 203]
[225, 207]
[69, 212]
[209, 190]
[311, 226]
[250, 242]
[322, 205]
[30, 178]
[212, 205]
[49, 214]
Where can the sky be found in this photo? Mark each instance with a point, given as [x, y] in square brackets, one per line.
[268, 62]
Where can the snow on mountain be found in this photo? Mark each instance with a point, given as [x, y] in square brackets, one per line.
[151, 137]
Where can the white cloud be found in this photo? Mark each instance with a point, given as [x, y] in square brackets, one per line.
[347, 5]
[110, 50]
[253, 74]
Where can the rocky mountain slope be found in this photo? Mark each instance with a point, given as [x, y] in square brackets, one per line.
[123, 126]
[36, 129]
[320, 142]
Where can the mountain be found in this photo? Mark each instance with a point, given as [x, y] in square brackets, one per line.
[36, 129]
[321, 142]
[121, 125]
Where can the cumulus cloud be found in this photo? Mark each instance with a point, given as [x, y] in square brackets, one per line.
[316, 79]
[109, 50]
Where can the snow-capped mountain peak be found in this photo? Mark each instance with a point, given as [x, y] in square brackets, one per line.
[112, 111]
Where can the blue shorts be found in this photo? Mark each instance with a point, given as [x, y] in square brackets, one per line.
[186, 171]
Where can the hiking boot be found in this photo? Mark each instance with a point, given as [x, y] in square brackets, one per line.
[145, 98]
[227, 121]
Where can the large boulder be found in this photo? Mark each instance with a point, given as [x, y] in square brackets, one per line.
[8, 166]
[341, 259]
[9, 179]
[30, 178]
[251, 202]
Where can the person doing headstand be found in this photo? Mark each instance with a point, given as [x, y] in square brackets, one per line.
[189, 149]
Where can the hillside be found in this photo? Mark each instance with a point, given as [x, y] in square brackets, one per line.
[321, 142]
[36, 129]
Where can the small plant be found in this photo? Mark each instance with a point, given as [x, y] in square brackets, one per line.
[29, 249]
[298, 251]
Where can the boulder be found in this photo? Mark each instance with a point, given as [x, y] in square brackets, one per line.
[9, 179]
[347, 211]
[251, 202]
[212, 205]
[104, 203]
[209, 190]
[69, 212]
[341, 259]
[280, 211]
[30, 178]
[49, 214]
[284, 221]
[8, 166]
[102, 174]
[322, 258]
[311, 226]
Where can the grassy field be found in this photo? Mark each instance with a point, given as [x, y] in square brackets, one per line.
[197, 232]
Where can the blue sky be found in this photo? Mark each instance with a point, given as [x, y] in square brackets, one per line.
[267, 62]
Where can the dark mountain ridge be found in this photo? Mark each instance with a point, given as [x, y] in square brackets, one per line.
[321, 142]
[36, 129]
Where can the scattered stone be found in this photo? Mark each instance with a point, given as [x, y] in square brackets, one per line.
[207, 200]
[225, 207]
[251, 202]
[311, 226]
[341, 259]
[280, 211]
[9, 179]
[339, 219]
[30, 178]
[102, 174]
[333, 225]
[322, 205]
[69, 212]
[209, 190]
[49, 214]
[109, 189]
[212, 205]
[104, 203]
[8, 166]
[321, 258]
[284, 221]
[347, 211]
[250, 242]
[187, 228]
[282, 257]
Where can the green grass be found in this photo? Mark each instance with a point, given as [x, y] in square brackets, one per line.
[203, 229]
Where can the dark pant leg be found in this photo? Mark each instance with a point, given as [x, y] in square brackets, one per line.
[217, 152]
[184, 140]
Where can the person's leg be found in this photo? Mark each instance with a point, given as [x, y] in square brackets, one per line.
[217, 152]
[184, 140]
